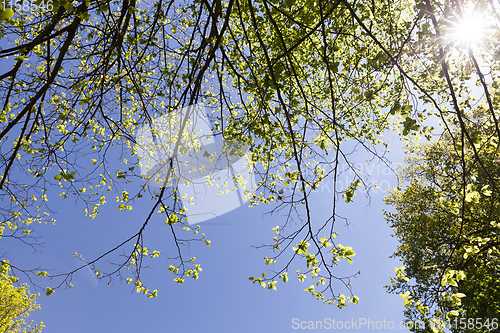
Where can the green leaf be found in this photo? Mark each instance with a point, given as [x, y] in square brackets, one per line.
[395, 109]
[68, 6]
[406, 108]
[311, 288]
[409, 125]
[6, 14]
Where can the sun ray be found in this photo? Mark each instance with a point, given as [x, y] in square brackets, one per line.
[469, 31]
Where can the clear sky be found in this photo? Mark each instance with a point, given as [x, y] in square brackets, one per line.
[223, 299]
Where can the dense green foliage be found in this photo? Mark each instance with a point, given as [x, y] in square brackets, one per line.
[451, 256]
[15, 303]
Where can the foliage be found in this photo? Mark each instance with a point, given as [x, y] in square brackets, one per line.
[78, 91]
[15, 303]
[448, 231]
[296, 81]
[446, 217]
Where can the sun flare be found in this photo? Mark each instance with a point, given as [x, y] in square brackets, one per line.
[470, 31]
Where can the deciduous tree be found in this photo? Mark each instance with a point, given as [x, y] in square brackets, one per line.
[15, 304]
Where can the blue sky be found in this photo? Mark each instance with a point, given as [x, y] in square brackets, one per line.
[223, 299]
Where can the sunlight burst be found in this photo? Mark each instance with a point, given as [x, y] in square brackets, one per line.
[469, 31]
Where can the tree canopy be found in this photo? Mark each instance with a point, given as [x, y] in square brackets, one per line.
[450, 254]
[295, 81]
[15, 303]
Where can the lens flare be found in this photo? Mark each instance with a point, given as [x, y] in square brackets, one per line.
[469, 31]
